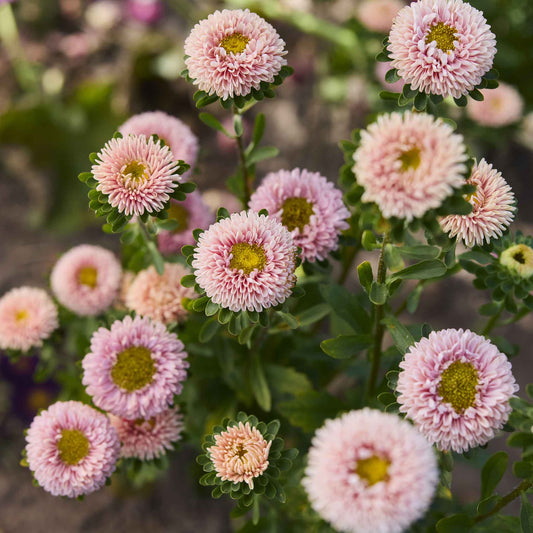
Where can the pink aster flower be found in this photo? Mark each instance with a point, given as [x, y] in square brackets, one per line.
[377, 15]
[232, 52]
[246, 261]
[145, 11]
[71, 449]
[86, 279]
[409, 163]
[148, 439]
[455, 386]
[160, 297]
[135, 368]
[27, 317]
[493, 208]
[216, 198]
[136, 173]
[190, 214]
[441, 46]
[308, 205]
[176, 134]
[370, 472]
[240, 454]
[501, 106]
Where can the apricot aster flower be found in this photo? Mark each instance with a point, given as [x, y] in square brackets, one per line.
[377, 15]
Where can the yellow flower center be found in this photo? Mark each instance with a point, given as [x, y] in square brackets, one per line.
[443, 35]
[519, 259]
[73, 446]
[372, 470]
[234, 43]
[21, 315]
[135, 171]
[88, 276]
[410, 159]
[178, 213]
[240, 450]
[133, 369]
[247, 257]
[458, 385]
[296, 213]
[141, 421]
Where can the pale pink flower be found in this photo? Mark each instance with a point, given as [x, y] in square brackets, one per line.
[370, 472]
[216, 198]
[160, 297]
[409, 163]
[86, 279]
[135, 368]
[232, 52]
[149, 439]
[27, 317]
[176, 134]
[377, 15]
[441, 47]
[308, 205]
[190, 214]
[493, 208]
[136, 173]
[380, 71]
[145, 11]
[240, 454]
[455, 386]
[501, 106]
[71, 449]
[246, 261]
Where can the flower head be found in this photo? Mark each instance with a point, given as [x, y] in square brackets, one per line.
[145, 11]
[370, 472]
[27, 317]
[246, 261]
[159, 297]
[232, 52]
[441, 47]
[149, 439]
[493, 208]
[518, 259]
[308, 205]
[190, 214]
[86, 279]
[176, 134]
[455, 386]
[135, 368]
[377, 15]
[500, 107]
[409, 163]
[136, 173]
[71, 449]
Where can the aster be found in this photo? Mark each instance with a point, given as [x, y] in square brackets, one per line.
[377, 15]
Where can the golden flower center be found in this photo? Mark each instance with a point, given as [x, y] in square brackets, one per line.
[519, 259]
[178, 213]
[410, 159]
[141, 421]
[247, 257]
[240, 450]
[133, 369]
[88, 276]
[458, 385]
[134, 170]
[73, 446]
[443, 35]
[234, 43]
[372, 470]
[21, 315]
[296, 213]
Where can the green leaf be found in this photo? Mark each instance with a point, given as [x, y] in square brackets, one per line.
[423, 270]
[492, 473]
[378, 293]
[476, 95]
[156, 257]
[400, 334]
[313, 314]
[421, 100]
[526, 514]
[208, 330]
[288, 319]
[391, 76]
[286, 380]
[460, 102]
[206, 100]
[168, 224]
[420, 252]
[458, 523]
[259, 384]
[523, 469]
[212, 122]
[237, 125]
[261, 153]
[346, 305]
[388, 95]
[364, 272]
[259, 129]
[188, 281]
[486, 505]
[345, 346]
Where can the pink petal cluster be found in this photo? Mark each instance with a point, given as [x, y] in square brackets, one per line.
[458, 65]
[167, 352]
[227, 74]
[86, 299]
[348, 502]
[149, 439]
[321, 234]
[409, 163]
[145, 11]
[160, 297]
[136, 173]
[240, 454]
[232, 288]
[90, 473]
[493, 208]
[500, 107]
[439, 422]
[198, 215]
[377, 15]
[176, 134]
[27, 317]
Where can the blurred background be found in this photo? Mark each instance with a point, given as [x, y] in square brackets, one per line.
[72, 71]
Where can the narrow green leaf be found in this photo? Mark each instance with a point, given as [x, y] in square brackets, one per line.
[459, 523]
[208, 330]
[400, 334]
[364, 272]
[313, 314]
[420, 252]
[526, 514]
[261, 153]
[259, 129]
[423, 270]
[523, 469]
[421, 100]
[347, 307]
[345, 346]
[492, 473]
[259, 383]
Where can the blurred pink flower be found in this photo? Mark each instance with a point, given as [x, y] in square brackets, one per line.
[145, 11]
[501, 106]
[216, 198]
[377, 15]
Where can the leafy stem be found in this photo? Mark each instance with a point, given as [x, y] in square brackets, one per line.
[246, 177]
[492, 323]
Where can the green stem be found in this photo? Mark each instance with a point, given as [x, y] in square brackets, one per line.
[246, 178]
[508, 498]
[492, 323]
[348, 263]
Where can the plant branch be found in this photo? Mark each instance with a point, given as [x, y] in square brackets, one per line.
[492, 323]
[246, 178]
[508, 498]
